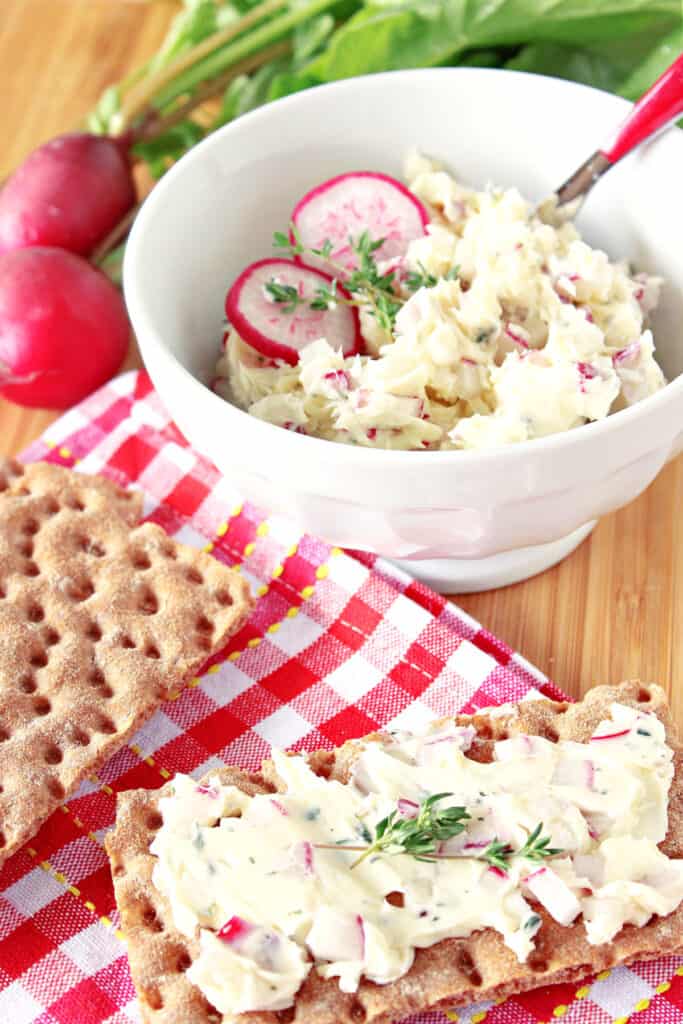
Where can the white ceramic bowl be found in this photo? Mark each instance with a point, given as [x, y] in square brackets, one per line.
[473, 519]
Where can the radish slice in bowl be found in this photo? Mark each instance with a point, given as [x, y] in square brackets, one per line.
[280, 330]
[342, 208]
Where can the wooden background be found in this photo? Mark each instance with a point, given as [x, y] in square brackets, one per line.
[612, 610]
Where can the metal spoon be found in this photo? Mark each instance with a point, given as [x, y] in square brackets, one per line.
[658, 108]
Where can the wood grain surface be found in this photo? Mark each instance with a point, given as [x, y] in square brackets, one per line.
[613, 609]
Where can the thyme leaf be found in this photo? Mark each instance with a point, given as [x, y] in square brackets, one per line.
[418, 836]
[423, 278]
[284, 294]
[421, 836]
[370, 289]
[535, 848]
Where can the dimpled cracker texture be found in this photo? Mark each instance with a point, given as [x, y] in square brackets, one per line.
[451, 973]
[100, 620]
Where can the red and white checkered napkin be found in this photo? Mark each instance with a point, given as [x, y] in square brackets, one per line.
[338, 645]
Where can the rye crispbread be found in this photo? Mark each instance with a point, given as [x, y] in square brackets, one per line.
[100, 621]
[449, 974]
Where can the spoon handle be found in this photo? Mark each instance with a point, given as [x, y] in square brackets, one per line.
[661, 105]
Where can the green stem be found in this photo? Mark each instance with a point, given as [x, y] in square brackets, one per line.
[366, 853]
[244, 47]
[143, 94]
[156, 124]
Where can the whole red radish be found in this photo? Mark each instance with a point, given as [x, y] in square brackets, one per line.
[70, 192]
[63, 328]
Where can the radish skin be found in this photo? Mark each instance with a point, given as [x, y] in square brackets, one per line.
[70, 193]
[610, 736]
[63, 328]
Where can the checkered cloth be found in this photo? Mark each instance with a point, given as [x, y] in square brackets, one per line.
[339, 644]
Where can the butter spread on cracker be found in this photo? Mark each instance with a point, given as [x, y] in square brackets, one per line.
[255, 879]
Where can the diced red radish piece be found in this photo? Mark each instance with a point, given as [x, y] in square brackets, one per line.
[553, 894]
[302, 855]
[631, 351]
[280, 808]
[361, 929]
[516, 336]
[338, 379]
[263, 323]
[481, 844]
[344, 207]
[336, 935]
[407, 808]
[207, 790]
[497, 873]
[586, 372]
[235, 930]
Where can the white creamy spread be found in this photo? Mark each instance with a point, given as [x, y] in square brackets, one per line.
[250, 875]
[537, 333]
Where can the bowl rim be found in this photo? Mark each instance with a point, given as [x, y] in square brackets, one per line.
[149, 336]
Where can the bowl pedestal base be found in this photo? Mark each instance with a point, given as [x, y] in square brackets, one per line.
[470, 575]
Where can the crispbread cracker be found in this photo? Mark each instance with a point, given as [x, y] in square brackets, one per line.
[448, 974]
[100, 620]
[10, 469]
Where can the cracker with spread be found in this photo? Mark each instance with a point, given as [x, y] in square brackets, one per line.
[484, 856]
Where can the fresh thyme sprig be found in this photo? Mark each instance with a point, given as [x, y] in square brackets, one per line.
[535, 848]
[421, 836]
[372, 290]
[497, 854]
[418, 836]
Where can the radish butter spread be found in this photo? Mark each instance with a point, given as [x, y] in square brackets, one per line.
[421, 844]
[435, 317]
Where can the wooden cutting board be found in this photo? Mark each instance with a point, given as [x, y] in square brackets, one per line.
[613, 609]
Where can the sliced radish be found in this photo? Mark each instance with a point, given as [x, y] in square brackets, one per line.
[263, 323]
[346, 206]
